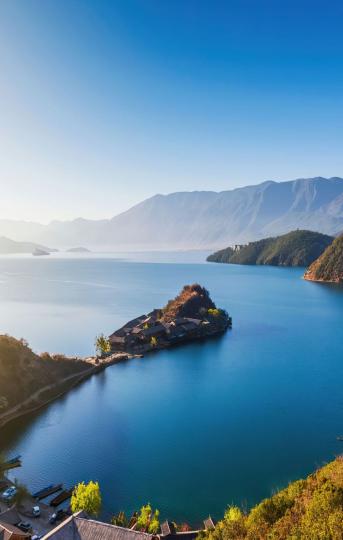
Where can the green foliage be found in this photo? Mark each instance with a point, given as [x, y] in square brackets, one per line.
[154, 525]
[310, 509]
[86, 497]
[214, 312]
[148, 520]
[144, 516]
[329, 266]
[153, 341]
[297, 248]
[233, 513]
[102, 345]
[23, 372]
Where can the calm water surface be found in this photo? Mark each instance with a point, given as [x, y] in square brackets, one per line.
[191, 429]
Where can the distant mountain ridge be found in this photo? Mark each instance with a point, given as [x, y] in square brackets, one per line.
[297, 248]
[202, 219]
[8, 246]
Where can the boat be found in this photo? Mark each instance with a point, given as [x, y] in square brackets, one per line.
[12, 463]
[45, 492]
[61, 497]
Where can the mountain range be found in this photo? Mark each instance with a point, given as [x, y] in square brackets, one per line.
[201, 219]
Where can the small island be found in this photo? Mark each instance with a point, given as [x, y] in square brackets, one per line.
[78, 249]
[192, 315]
[38, 252]
[296, 248]
[329, 266]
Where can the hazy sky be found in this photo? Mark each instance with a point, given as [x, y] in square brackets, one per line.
[104, 103]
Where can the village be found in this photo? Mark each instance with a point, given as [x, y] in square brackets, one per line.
[190, 316]
[24, 516]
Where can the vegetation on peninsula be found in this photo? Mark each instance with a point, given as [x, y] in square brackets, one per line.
[297, 248]
[25, 374]
[329, 266]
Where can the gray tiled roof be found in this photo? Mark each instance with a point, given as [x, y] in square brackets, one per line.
[79, 528]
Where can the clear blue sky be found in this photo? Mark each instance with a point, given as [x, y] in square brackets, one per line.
[104, 103]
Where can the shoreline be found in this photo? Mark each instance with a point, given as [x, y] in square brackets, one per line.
[31, 405]
[335, 281]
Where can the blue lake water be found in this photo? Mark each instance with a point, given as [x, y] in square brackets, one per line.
[190, 429]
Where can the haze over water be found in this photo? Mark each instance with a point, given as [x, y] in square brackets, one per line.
[190, 429]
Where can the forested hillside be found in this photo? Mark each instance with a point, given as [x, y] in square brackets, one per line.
[297, 248]
[310, 509]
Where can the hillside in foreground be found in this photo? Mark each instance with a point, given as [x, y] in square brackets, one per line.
[297, 248]
[310, 509]
[329, 266]
[27, 377]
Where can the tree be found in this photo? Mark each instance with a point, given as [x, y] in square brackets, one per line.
[102, 345]
[143, 519]
[21, 494]
[154, 526]
[86, 497]
[2, 464]
[153, 341]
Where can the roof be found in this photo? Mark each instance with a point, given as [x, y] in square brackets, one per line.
[154, 330]
[8, 531]
[117, 339]
[80, 528]
[10, 516]
[209, 523]
[128, 326]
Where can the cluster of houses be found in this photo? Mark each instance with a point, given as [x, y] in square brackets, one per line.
[79, 527]
[149, 332]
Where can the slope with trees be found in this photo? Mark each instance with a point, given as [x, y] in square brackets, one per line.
[297, 248]
[29, 380]
[310, 509]
[329, 266]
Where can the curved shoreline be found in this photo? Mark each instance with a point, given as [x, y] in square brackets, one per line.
[31, 405]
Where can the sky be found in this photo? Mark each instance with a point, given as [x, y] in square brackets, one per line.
[106, 103]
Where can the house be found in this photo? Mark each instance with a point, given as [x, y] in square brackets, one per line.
[78, 527]
[11, 532]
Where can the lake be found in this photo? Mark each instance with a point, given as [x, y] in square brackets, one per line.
[190, 429]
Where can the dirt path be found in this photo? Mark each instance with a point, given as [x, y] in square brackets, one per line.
[32, 403]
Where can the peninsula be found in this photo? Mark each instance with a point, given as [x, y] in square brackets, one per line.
[297, 248]
[190, 316]
[329, 266]
[29, 381]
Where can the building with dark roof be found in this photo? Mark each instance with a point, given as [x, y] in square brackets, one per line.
[77, 527]
[11, 532]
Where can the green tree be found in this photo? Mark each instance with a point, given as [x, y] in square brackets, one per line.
[86, 497]
[143, 519]
[153, 341]
[102, 345]
[154, 525]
